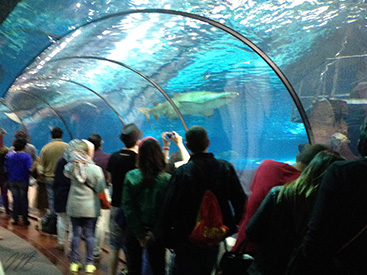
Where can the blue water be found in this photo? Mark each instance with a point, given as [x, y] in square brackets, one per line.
[180, 55]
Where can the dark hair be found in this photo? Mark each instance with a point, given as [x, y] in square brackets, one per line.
[129, 144]
[56, 132]
[308, 182]
[362, 142]
[19, 144]
[96, 140]
[310, 152]
[151, 160]
[20, 134]
[197, 139]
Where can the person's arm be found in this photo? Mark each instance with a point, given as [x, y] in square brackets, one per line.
[258, 225]
[238, 197]
[97, 181]
[166, 143]
[185, 156]
[29, 162]
[130, 206]
[2, 134]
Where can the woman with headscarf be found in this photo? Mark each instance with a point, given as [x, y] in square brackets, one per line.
[144, 192]
[84, 201]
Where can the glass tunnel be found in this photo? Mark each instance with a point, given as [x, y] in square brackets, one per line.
[262, 78]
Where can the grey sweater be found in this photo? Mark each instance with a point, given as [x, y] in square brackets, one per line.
[83, 202]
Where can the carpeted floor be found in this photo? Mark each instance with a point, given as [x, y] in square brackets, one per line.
[19, 257]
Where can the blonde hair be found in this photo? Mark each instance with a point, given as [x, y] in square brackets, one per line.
[308, 182]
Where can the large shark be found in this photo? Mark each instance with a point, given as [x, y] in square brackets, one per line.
[190, 103]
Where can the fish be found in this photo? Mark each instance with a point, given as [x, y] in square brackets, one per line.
[14, 117]
[190, 103]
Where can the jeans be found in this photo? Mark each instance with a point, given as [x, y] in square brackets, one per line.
[85, 226]
[100, 231]
[194, 260]
[50, 195]
[63, 222]
[117, 235]
[19, 189]
[155, 253]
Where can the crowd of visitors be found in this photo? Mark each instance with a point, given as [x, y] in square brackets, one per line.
[306, 218]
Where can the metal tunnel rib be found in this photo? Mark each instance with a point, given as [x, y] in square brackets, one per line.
[240, 37]
[85, 87]
[52, 108]
[2, 101]
[137, 72]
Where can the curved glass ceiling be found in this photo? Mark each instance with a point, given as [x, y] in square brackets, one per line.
[164, 72]
[105, 66]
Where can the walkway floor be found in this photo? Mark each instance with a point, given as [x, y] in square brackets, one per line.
[46, 244]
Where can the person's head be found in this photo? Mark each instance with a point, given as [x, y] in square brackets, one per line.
[309, 152]
[130, 134]
[151, 159]
[20, 134]
[85, 147]
[96, 140]
[72, 146]
[311, 177]
[56, 132]
[19, 144]
[197, 139]
[362, 142]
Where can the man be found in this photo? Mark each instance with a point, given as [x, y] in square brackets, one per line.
[338, 225]
[118, 165]
[101, 159]
[270, 174]
[184, 196]
[50, 154]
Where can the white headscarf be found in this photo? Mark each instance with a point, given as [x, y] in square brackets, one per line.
[78, 161]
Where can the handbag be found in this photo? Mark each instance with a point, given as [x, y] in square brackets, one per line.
[234, 262]
[48, 223]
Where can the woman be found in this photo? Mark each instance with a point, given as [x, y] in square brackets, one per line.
[281, 220]
[144, 192]
[84, 201]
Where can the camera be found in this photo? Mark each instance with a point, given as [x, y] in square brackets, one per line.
[169, 135]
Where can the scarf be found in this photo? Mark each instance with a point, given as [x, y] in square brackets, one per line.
[77, 166]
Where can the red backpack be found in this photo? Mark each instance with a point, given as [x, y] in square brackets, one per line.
[209, 229]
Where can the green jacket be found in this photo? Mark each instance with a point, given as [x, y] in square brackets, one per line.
[142, 204]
